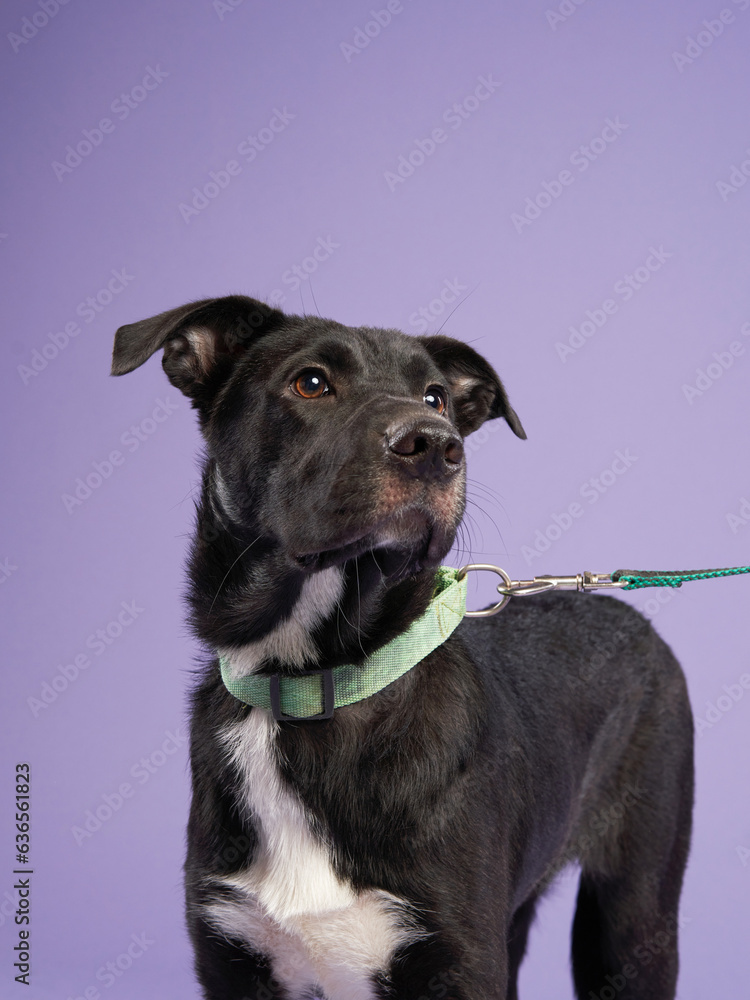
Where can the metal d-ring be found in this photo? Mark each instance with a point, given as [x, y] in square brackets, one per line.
[506, 596]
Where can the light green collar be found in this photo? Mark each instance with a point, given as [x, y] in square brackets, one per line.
[316, 694]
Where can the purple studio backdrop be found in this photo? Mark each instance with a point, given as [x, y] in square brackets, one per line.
[563, 184]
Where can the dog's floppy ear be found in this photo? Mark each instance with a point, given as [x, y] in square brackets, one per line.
[201, 340]
[478, 394]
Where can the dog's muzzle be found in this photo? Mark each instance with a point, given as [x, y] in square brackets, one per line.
[425, 449]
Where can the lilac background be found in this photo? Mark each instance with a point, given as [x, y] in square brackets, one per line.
[323, 178]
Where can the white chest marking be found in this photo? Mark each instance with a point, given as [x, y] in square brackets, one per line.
[290, 641]
[289, 904]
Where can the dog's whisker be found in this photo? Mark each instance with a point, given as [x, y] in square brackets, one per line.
[474, 522]
[458, 542]
[190, 493]
[470, 502]
[475, 503]
[309, 281]
[359, 609]
[471, 525]
[488, 496]
[457, 305]
[489, 490]
[340, 613]
[489, 517]
[464, 550]
[247, 549]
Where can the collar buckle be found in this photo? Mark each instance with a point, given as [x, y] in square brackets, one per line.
[329, 698]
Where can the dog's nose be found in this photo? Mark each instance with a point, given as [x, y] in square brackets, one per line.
[426, 449]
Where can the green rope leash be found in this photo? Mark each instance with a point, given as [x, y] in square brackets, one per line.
[636, 579]
[621, 579]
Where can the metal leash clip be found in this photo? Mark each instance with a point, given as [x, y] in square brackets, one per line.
[583, 582]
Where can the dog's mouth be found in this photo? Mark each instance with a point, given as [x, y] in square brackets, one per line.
[401, 546]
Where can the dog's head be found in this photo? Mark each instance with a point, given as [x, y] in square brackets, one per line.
[331, 441]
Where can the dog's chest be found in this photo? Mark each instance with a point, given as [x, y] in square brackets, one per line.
[289, 904]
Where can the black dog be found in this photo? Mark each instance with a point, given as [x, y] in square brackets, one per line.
[397, 847]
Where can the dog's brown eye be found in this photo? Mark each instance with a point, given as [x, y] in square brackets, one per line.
[434, 398]
[310, 384]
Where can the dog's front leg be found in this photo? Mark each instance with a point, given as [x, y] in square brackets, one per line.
[426, 972]
[228, 971]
